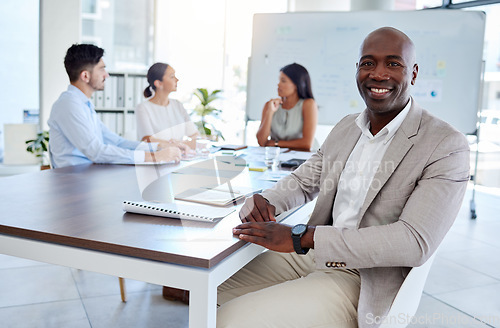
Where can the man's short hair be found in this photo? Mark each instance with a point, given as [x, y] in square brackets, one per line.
[81, 57]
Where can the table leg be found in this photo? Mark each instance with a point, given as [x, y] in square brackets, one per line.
[203, 306]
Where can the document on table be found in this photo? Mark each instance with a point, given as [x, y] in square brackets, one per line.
[222, 195]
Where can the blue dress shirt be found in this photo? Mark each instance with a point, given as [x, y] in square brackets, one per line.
[77, 135]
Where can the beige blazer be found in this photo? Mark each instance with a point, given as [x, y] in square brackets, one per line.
[410, 206]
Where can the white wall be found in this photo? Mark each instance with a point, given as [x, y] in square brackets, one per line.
[318, 5]
[19, 69]
[60, 27]
[190, 37]
[372, 5]
[340, 5]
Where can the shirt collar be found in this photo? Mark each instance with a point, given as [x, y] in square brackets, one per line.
[389, 130]
[79, 93]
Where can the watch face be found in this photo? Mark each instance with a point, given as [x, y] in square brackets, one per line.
[299, 229]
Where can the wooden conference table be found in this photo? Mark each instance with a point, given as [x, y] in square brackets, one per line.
[73, 217]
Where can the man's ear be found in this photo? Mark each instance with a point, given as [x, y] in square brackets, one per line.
[414, 74]
[85, 76]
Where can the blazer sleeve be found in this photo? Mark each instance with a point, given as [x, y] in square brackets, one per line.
[426, 216]
[300, 187]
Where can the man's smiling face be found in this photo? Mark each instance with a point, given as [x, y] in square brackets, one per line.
[385, 71]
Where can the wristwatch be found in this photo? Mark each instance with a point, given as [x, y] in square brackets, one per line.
[297, 232]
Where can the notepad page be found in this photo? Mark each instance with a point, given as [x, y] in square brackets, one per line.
[209, 196]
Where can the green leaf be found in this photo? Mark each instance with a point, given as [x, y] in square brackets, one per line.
[203, 109]
[198, 94]
[213, 96]
[204, 92]
[207, 131]
[39, 145]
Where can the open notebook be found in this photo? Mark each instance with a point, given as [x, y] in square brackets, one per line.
[177, 211]
[222, 195]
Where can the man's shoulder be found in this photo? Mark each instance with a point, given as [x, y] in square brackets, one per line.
[432, 122]
[68, 97]
[343, 130]
[67, 104]
[435, 129]
[347, 120]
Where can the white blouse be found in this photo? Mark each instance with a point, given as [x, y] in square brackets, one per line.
[163, 122]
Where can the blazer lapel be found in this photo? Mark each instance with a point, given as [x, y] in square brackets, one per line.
[397, 150]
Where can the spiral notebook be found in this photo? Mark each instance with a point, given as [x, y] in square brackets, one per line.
[177, 211]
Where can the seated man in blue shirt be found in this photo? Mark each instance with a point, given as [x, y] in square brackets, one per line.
[77, 135]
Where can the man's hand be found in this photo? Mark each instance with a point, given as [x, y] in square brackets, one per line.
[257, 209]
[272, 235]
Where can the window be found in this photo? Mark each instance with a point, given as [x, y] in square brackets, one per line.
[489, 134]
[123, 28]
[208, 43]
[19, 89]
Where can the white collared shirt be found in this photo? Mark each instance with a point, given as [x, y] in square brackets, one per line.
[361, 167]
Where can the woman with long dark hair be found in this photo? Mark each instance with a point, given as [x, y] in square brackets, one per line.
[290, 120]
[160, 118]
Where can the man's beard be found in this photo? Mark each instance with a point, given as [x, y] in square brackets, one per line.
[96, 86]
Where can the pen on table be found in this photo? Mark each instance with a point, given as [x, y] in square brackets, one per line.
[235, 164]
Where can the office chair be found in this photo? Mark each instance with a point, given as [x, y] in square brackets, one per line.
[407, 299]
[315, 145]
[121, 281]
[51, 161]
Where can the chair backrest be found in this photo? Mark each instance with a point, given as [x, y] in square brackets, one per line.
[315, 145]
[407, 299]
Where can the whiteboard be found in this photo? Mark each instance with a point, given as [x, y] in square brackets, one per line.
[449, 47]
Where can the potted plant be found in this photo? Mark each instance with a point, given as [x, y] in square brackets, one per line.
[204, 110]
[40, 146]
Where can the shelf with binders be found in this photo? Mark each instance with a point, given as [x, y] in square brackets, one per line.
[115, 104]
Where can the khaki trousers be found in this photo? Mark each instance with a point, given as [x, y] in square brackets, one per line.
[285, 290]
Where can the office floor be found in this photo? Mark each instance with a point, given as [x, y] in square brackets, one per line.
[464, 282]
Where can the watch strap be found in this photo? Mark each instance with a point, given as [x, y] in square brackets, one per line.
[296, 244]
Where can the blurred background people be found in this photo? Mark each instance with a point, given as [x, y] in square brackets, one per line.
[290, 120]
